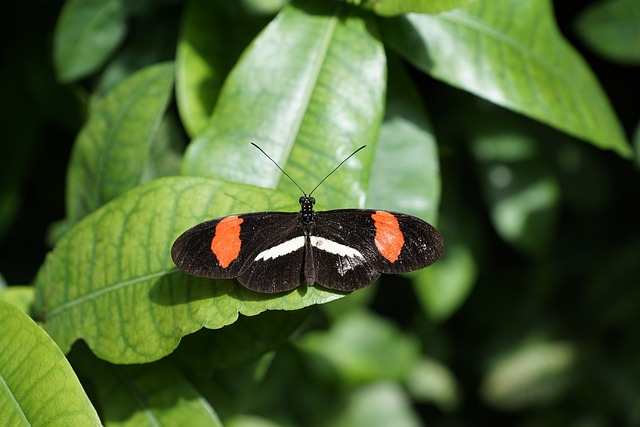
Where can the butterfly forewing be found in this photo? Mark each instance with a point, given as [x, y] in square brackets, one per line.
[225, 248]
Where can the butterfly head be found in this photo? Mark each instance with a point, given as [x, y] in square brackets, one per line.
[306, 208]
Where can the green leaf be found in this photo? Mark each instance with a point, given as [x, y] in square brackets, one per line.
[376, 405]
[442, 288]
[151, 394]
[87, 33]
[212, 37]
[431, 381]
[398, 7]
[238, 344]
[309, 90]
[20, 296]
[37, 385]
[522, 193]
[362, 347]
[406, 170]
[530, 375]
[510, 52]
[110, 279]
[611, 29]
[111, 151]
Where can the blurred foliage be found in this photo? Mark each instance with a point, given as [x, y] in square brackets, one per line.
[510, 133]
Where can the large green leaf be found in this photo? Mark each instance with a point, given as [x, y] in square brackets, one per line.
[611, 28]
[150, 394]
[87, 33]
[212, 37]
[406, 170]
[110, 280]
[37, 385]
[397, 7]
[111, 151]
[511, 53]
[309, 90]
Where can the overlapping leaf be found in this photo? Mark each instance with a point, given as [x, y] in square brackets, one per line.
[147, 394]
[212, 37]
[87, 33]
[611, 29]
[309, 90]
[111, 151]
[38, 387]
[511, 53]
[398, 7]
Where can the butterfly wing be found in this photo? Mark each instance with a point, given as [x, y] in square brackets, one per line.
[264, 250]
[353, 247]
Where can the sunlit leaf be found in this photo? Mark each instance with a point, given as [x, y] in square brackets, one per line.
[20, 296]
[38, 385]
[510, 52]
[397, 7]
[111, 151]
[213, 34]
[309, 90]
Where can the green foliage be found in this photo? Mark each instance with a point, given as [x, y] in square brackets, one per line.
[528, 317]
[39, 386]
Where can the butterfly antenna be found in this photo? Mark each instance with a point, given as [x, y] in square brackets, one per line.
[281, 170]
[335, 169]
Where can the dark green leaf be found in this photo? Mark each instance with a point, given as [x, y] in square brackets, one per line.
[522, 193]
[611, 29]
[111, 151]
[238, 344]
[363, 347]
[110, 279]
[511, 53]
[151, 394]
[87, 33]
[38, 385]
[309, 90]
[213, 35]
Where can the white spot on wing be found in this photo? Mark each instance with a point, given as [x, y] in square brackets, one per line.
[281, 249]
[335, 247]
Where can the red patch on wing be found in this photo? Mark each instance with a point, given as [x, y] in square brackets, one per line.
[389, 239]
[226, 242]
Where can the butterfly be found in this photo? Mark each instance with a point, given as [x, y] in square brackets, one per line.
[342, 250]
